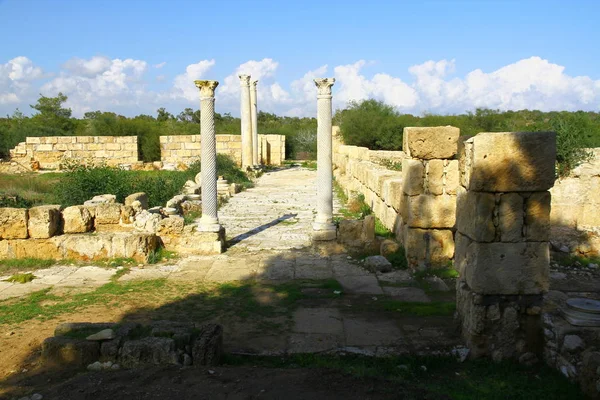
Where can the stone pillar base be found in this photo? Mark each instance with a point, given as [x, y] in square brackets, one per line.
[500, 326]
[208, 242]
[321, 233]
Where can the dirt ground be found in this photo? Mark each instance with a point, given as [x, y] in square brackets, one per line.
[220, 383]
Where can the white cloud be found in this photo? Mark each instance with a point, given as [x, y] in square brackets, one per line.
[101, 84]
[183, 84]
[16, 77]
[160, 65]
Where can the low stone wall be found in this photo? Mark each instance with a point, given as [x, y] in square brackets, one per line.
[49, 151]
[187, 148]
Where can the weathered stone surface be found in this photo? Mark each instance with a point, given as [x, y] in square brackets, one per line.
[388, 247]
[196, 242]
[452, 177]
[44, 221]
[65, 351]
[429, 211]
[510, 216]
[378, 264]
[461, 244]
[511, 161]
[413, 175]
[572, 343]
[431, 142]
[109, 213]
[208, 345]
[435, 176]
[70, 327]
[368, 229]
[13, 223]
[507, 268]
[170, 226]
[537, 216]
[147, 221]
[350, 231]
[101, 199]
[105, 334]
[140, 196]
[475, 214]
[428, 247]
[77, 219]
[148, 351]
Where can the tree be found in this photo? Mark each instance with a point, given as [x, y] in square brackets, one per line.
[163, 115]
[189, 115]
[52, 117]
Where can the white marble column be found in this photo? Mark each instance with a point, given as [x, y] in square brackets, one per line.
[254, 117]
[246, 118]
[324, 228]
[209, 222]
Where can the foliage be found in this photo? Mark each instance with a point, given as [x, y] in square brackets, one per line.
[21, 278]
[398, 258]
[381, 230]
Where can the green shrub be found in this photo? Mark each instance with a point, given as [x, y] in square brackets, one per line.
[398, 259]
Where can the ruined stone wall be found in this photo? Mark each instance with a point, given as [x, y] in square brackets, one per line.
[502, 248]
[575, 204]
[359, 170]
[417, 203]
[187, 148]
[49, 151]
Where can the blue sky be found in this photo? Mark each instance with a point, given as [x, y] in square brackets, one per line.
[134, 56]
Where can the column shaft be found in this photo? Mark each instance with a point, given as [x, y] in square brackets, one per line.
[210, 220]
[324, 218]
[254, 117]
[246, 118]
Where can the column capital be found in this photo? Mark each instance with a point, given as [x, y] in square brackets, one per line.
[207, 88]
[324, 86]
[254, 83]
[244, 80]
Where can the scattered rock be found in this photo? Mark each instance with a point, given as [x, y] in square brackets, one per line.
[593, 266]
[403, 367]
[140, 196]
[572, 343]
[187, 360]
[528, 359]
[115, 367]
[378, 264]
[461, 353]
[558, 276]
[388, 247]
[198, 178]
[97, 366]
[106, 334]
[208, 346]
[36, 396]
[564, 249]
[437, 284]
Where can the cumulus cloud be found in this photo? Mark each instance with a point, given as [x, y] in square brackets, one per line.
[160, 65]
[183, 85]
[16, 78]
[100, 83]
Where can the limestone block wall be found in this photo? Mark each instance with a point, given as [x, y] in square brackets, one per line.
[50, 150]
[575, 204]
[187, 148]
[357, 169]
[502, 248]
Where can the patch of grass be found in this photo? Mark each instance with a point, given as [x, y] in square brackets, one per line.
[391, 164]
[288, 222]
[418, 309]
[25, 263]
[21, 278]
[26, 190]
[398, 258]
[119, 273]
[309, 164]
[381, 230]
[572, 260]
[160, 254]
[471, 380]
[443, 273]
[191, 216]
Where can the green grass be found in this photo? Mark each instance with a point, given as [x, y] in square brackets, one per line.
[381, 230]
[569, 260]
[160, 254]
[443, 273]
[311, 165]
[32, 189]
[398, 258]
[191, 216]
[471, 380]
[21, 278]
[13, 264]
[436, 308]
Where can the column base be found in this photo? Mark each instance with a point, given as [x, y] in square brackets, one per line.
[207, 242]
[207, 227]
[324, 231]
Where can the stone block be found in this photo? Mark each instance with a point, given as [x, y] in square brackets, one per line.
[452, 177]
[148, 351]
[429, 211]
[413, 175]
[109, 213]
[77, 219]
[66, 351]
[208, 346]
[507, 268]
[510, 161]
[428, 247]
[170, 226]
[13, 223]
[537, 217]
[140, 196]
[475, 215]
[461, 244]
[368, 229]
[44, 221]
[435, 176]
[430, 142]
[388, 247]
[510, 217]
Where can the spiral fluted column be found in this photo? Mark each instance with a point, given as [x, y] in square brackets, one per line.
[323, 227]
[209, 222]
[246, 118]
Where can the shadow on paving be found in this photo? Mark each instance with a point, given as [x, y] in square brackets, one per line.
[235, 240]
[292, 303]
